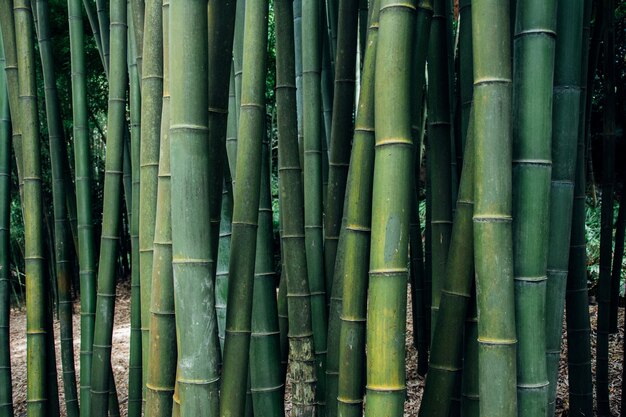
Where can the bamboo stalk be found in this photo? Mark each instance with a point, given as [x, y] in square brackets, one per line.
[292, 238]
[313, 190]
[493, 252]
[388, 273]
[567, 78]
[105, 298]
[6, 392]
[62, 232]
[446, 358]
[135, 364]
[192, 259]
[36, 321]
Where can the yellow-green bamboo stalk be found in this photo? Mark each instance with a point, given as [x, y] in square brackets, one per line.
[388, 273]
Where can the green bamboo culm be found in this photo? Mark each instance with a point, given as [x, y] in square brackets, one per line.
[221, 17]
[533, 51]
[302, 360]
[134, 364]
[354, 241]
[439, 128]
[606, 222]
[62, 231]
[162, 350]
[446, 359]
[138, 14]
[312, 171]
[493, 245]
[419, 293]
[388, 272]
[344, 393]
[466, 72]
[265, 373]
[223, 256]
[340, 139]
[565, 113]
[105, 297]
[104, 25]
[6, 392]
[83, 172]
[151, 108]
[339, 161]
[7, 25]
[36, 390]
[245, 211]
[192, 260]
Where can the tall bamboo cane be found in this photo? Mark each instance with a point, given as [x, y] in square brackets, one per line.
[223, 256]
[83, 173]
[134, 366]
[606, 222]
[151, 108]
[162, 350]
[138, 11]
[7, 25]
[533, 46]
[341, 134]
[36, 390]
[245, 211]
[312, 170]
[354, 242]
[62, 232]
[566, 97]
[192, 260]
[265, 373]
[386, 318]
[292, 238]
[492, 211]
[447, 343]
[105, 301]
[6, 394]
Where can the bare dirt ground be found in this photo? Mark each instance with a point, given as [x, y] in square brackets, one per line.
[415, 384]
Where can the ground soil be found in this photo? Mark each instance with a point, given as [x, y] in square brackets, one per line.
[121, 336]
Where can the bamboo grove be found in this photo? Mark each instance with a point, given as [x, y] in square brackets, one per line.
[284, 181]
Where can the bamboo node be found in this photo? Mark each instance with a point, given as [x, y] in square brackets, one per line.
[503, 342]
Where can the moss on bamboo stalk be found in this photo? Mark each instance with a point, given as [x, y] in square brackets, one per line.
[492, 211]
[292, 237]
[386, 318]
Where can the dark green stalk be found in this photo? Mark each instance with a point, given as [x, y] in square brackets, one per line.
[95, 26]
[245, 211]
[222, 16]
[223, 257]
[533, 47]
[332, 22]
[238, 57]
[104, 24]
[231, 126]
[391, 202]
[135, 364]
[439, 128]
[298, 295]
[493, 249]
[83, 171]
[192, 259]
[341, 135]
[265, 372]
[469, 382]
[446, 358]
[138, 11]
[420, 294]
[6, 395]
[297, 25]
[565, 113]
[105, 301]
[466, 74]
[606, 222]
[313, 190]
[576, 299]
[162, 365]
[354, 243]
[62, 232]
[151, 108]
[36, 314]
[364, 13]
